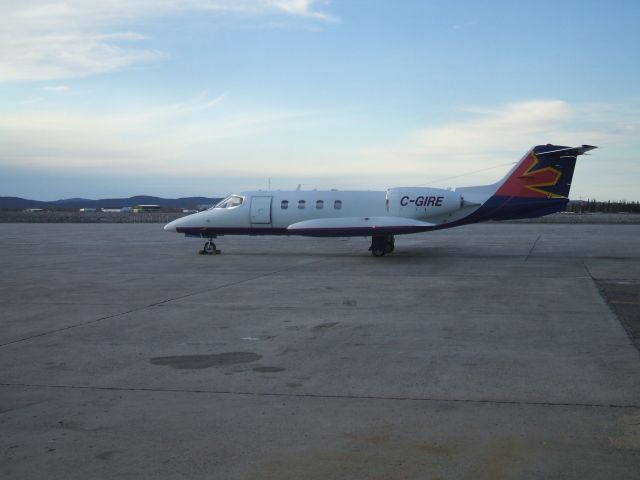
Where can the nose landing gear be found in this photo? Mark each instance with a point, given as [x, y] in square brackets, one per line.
[209, 248]
[381, 245]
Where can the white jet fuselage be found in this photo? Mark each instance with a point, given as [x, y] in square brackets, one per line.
[326, 213]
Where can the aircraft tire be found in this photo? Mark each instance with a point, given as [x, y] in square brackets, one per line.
[209, 248]
[389, 244]
[378, 246]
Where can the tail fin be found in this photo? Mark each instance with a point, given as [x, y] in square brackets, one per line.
[545, 171]
[537, 185]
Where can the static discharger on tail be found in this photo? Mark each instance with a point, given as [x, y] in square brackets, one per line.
[537, 185]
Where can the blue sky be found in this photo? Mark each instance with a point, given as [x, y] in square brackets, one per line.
[206, 97]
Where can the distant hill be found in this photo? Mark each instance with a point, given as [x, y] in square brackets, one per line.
[17, 203]
[72, 200]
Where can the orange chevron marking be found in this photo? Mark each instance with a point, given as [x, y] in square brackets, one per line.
[547, 177]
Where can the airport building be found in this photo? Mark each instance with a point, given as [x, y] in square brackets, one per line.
[146, 208]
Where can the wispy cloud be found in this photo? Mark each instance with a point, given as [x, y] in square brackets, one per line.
[465, 25]
[56, 88]
[202, 102]
[304, 8]
[497, 135]
[40, 40]
[171, 139]
[30, 101]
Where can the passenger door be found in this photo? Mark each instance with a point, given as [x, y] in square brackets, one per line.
[260, 211]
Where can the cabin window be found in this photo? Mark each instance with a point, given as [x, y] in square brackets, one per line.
[337, 204]
[230, 202]
[284, 204]
[302, 204]
[319, 204]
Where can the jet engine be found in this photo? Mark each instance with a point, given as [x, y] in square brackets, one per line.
[418, 203]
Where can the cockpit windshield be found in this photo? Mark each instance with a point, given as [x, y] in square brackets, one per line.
[230, 202]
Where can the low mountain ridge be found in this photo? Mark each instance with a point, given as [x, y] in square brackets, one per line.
[17, 203]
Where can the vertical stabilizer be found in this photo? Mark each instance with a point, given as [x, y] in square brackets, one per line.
[545, 171]
[537, 185]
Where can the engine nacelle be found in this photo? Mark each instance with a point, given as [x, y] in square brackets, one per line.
[416, 202]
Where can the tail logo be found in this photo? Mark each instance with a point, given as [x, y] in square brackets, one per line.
[532, 180]
[544, 177]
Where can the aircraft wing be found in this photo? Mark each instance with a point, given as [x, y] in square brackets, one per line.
[359, 226]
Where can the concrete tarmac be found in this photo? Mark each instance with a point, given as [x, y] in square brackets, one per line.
[488, 351]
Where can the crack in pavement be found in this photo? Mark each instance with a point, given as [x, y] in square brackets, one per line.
[324, 396]
[151, 305]
[532, 247]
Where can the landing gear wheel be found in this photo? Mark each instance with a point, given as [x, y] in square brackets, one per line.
[389, 244]
[209, 248]
[378, 246]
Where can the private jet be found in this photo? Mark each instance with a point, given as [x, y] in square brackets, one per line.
[537, 185]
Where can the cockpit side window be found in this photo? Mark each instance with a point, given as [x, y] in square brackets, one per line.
[231, 201]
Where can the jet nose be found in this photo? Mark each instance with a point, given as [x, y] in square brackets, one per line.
[171, 226]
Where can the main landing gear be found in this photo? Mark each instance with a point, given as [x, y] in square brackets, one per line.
[381, 245]
[209, 248]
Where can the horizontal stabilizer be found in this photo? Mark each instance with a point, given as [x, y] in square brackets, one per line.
[349, 226]
[569, 151]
